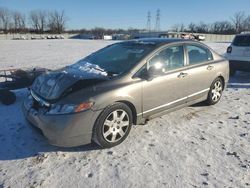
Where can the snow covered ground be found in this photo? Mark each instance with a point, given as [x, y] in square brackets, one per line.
[198, 146]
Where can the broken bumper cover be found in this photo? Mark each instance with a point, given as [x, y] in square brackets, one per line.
[66, 130]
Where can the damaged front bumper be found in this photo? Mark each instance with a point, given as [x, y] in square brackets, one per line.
[67, 130]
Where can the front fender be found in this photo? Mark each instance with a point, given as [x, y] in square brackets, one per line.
[130, 93]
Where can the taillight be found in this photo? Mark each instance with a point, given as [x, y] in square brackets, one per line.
[229, 49]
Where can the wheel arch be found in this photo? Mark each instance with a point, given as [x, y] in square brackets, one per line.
[132, 108]
[223, 80]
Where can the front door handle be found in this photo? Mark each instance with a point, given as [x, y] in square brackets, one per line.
[182, 75]
[210, 67]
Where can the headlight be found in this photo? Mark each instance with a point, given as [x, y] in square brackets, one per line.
[69, 108]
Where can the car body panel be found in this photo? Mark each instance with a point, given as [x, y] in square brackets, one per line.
[200, 77]
[239, 53]
[147, 98]
[163, 92]
[62, 130]
[239, 57]
[240, 65]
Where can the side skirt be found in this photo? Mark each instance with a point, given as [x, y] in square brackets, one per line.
[142, 120]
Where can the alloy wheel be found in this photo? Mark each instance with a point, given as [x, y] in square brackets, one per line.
[115, 126]
[217, 91]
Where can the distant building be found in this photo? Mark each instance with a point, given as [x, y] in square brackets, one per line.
[107, 37]
[120, 37]
[84, 36]
[162, 34]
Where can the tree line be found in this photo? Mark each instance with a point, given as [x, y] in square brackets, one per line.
[41, 21]
[238, 23]
[37, 21]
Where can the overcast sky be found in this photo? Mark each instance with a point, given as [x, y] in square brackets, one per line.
[133, 13]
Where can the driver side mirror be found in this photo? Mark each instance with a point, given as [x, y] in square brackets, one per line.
[151, 73]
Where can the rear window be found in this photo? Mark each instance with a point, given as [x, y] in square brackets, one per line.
[242, 41]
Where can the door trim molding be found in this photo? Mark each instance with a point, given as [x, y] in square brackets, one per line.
[178, 100]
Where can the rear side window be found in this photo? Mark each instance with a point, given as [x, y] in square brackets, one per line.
[198, 54]
[242, 41]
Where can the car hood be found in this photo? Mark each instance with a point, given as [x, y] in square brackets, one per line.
[55, 84]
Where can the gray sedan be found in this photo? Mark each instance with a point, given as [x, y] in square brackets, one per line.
[100, 97]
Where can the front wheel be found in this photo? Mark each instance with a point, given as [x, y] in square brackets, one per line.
[113, 125]
[215, 92]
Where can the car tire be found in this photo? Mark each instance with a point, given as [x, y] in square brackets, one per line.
[215, 92]
[232, 72]
[7, 97]
[113, 125]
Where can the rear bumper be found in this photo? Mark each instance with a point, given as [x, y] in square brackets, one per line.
[62, 130]
[240, 65]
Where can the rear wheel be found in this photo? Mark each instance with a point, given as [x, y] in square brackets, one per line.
[215, 92]
[113, 125]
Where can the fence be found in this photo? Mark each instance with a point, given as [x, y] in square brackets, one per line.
[29, 36]
[219, 38]
[209, 37]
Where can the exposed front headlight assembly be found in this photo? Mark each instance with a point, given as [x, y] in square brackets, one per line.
[69, 108]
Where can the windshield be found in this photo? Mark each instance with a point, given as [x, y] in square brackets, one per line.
[242, 41]
[118, 58]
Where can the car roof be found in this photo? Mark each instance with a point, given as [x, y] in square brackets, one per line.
[159, 41]
[243, 34]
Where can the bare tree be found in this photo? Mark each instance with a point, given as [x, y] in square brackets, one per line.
[5, 18]
[38, 19]
[42, 17]
[98, 32]
[191, 27]
[182, 27]
[18, 21]
[57, 21]
[176, 28]
[238, 21]
[247, 24]
[223, 27]
[202, 28]
[34, 20]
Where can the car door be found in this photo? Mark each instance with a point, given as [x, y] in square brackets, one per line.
[201, 70]
[169, 88]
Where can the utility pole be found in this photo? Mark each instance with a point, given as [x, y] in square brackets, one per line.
[149, 22]
[158, 21]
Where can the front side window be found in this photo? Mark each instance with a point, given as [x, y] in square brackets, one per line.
[198, 54]
[168, 59]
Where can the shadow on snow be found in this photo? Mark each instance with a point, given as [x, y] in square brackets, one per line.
[240, 80]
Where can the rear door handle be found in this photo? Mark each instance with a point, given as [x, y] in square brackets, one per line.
[210, 67]
[182, 75]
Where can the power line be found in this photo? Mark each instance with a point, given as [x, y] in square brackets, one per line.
[158, 21]
[149, 22]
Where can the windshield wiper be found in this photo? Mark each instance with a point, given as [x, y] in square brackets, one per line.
[112, 73]
[109, 73]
